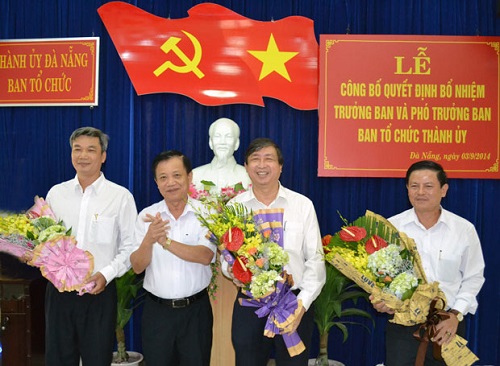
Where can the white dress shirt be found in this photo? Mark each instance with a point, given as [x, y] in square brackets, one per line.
[169, 276]
[451, 254]
[102, 220]
[302, 240]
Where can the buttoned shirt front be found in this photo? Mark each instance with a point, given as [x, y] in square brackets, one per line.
[169, 276]
[102, 220]
[451, 254]
[302, 240]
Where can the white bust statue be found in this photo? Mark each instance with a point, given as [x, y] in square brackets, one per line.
[223, 171]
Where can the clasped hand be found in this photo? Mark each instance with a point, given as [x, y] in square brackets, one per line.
[158, 229]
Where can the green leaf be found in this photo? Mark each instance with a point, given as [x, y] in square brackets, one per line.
[330, 304]
[344, 330]
[208, 183]
[128, 298]
[238, 187]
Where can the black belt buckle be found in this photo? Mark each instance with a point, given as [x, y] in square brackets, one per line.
[180, 303]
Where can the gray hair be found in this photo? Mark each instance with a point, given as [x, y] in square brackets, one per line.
[91, 132]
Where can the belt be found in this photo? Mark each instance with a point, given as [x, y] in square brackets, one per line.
[181, 302]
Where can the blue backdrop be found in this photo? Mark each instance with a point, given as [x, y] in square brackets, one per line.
[35, 154]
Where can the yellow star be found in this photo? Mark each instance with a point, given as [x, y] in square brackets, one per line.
[273, 60]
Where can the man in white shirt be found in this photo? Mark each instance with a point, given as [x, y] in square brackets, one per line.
[222, 171]
[302, 241]
[175, 253]
[101, 215]
[451, 255]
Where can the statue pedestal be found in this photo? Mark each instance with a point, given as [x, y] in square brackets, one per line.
[222, 308]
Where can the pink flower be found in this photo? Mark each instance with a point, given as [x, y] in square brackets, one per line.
[40, 208]
[197, 194]
[228, 192]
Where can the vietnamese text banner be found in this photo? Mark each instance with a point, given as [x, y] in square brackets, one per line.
[61, 71]
[387, 101]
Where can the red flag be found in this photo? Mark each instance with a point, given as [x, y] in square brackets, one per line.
[216, 56]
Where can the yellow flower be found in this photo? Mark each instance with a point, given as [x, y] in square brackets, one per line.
[16, 224]
[250, 227]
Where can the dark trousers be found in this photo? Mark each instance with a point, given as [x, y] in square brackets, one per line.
[253, 348]
[177, 336]
[401, 346]
[79, 327]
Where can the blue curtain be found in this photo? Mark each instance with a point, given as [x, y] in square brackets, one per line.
[35, 153]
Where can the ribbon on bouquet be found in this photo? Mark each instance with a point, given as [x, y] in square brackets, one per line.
[427, 330]
[270, 224]
[455, 353]
[281, 308]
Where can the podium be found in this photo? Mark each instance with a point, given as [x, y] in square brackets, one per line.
[222, 308]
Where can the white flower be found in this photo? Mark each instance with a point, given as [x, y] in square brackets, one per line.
[403, 282]
[51, 232]
[386, 261]
[389, 262]
[264, 283]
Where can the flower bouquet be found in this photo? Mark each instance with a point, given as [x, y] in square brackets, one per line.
[386, 264]
[39, 240]
[214, 201]
[250, 243]
[210, 195]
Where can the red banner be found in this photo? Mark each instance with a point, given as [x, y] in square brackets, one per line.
[62, 71]
[386, 102]
[216, 56]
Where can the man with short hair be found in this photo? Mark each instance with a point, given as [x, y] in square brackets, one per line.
[302, 241]
[223, 171]
[101, 215]
[451, 255]
[175, 253]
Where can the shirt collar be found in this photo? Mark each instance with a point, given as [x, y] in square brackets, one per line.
[443, 218]
[187, 208]
[95, 186]
[281, 194]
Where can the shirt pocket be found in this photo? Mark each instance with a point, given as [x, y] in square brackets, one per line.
[448, 267]
[102, 230]
[294, 235]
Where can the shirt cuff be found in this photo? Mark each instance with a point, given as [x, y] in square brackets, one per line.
[461, 306]
[108, 273]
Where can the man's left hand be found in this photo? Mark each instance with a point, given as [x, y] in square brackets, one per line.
[292, 327]
[446, 330]
[100, 283]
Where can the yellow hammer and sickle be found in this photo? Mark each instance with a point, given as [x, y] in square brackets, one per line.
[189, 65]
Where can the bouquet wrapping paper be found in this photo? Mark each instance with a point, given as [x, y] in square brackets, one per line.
[414, 310]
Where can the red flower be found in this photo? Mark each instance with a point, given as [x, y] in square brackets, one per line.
[352, 233]
[375, 243]
[326, 241]
[233, 239]
[240, 271]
